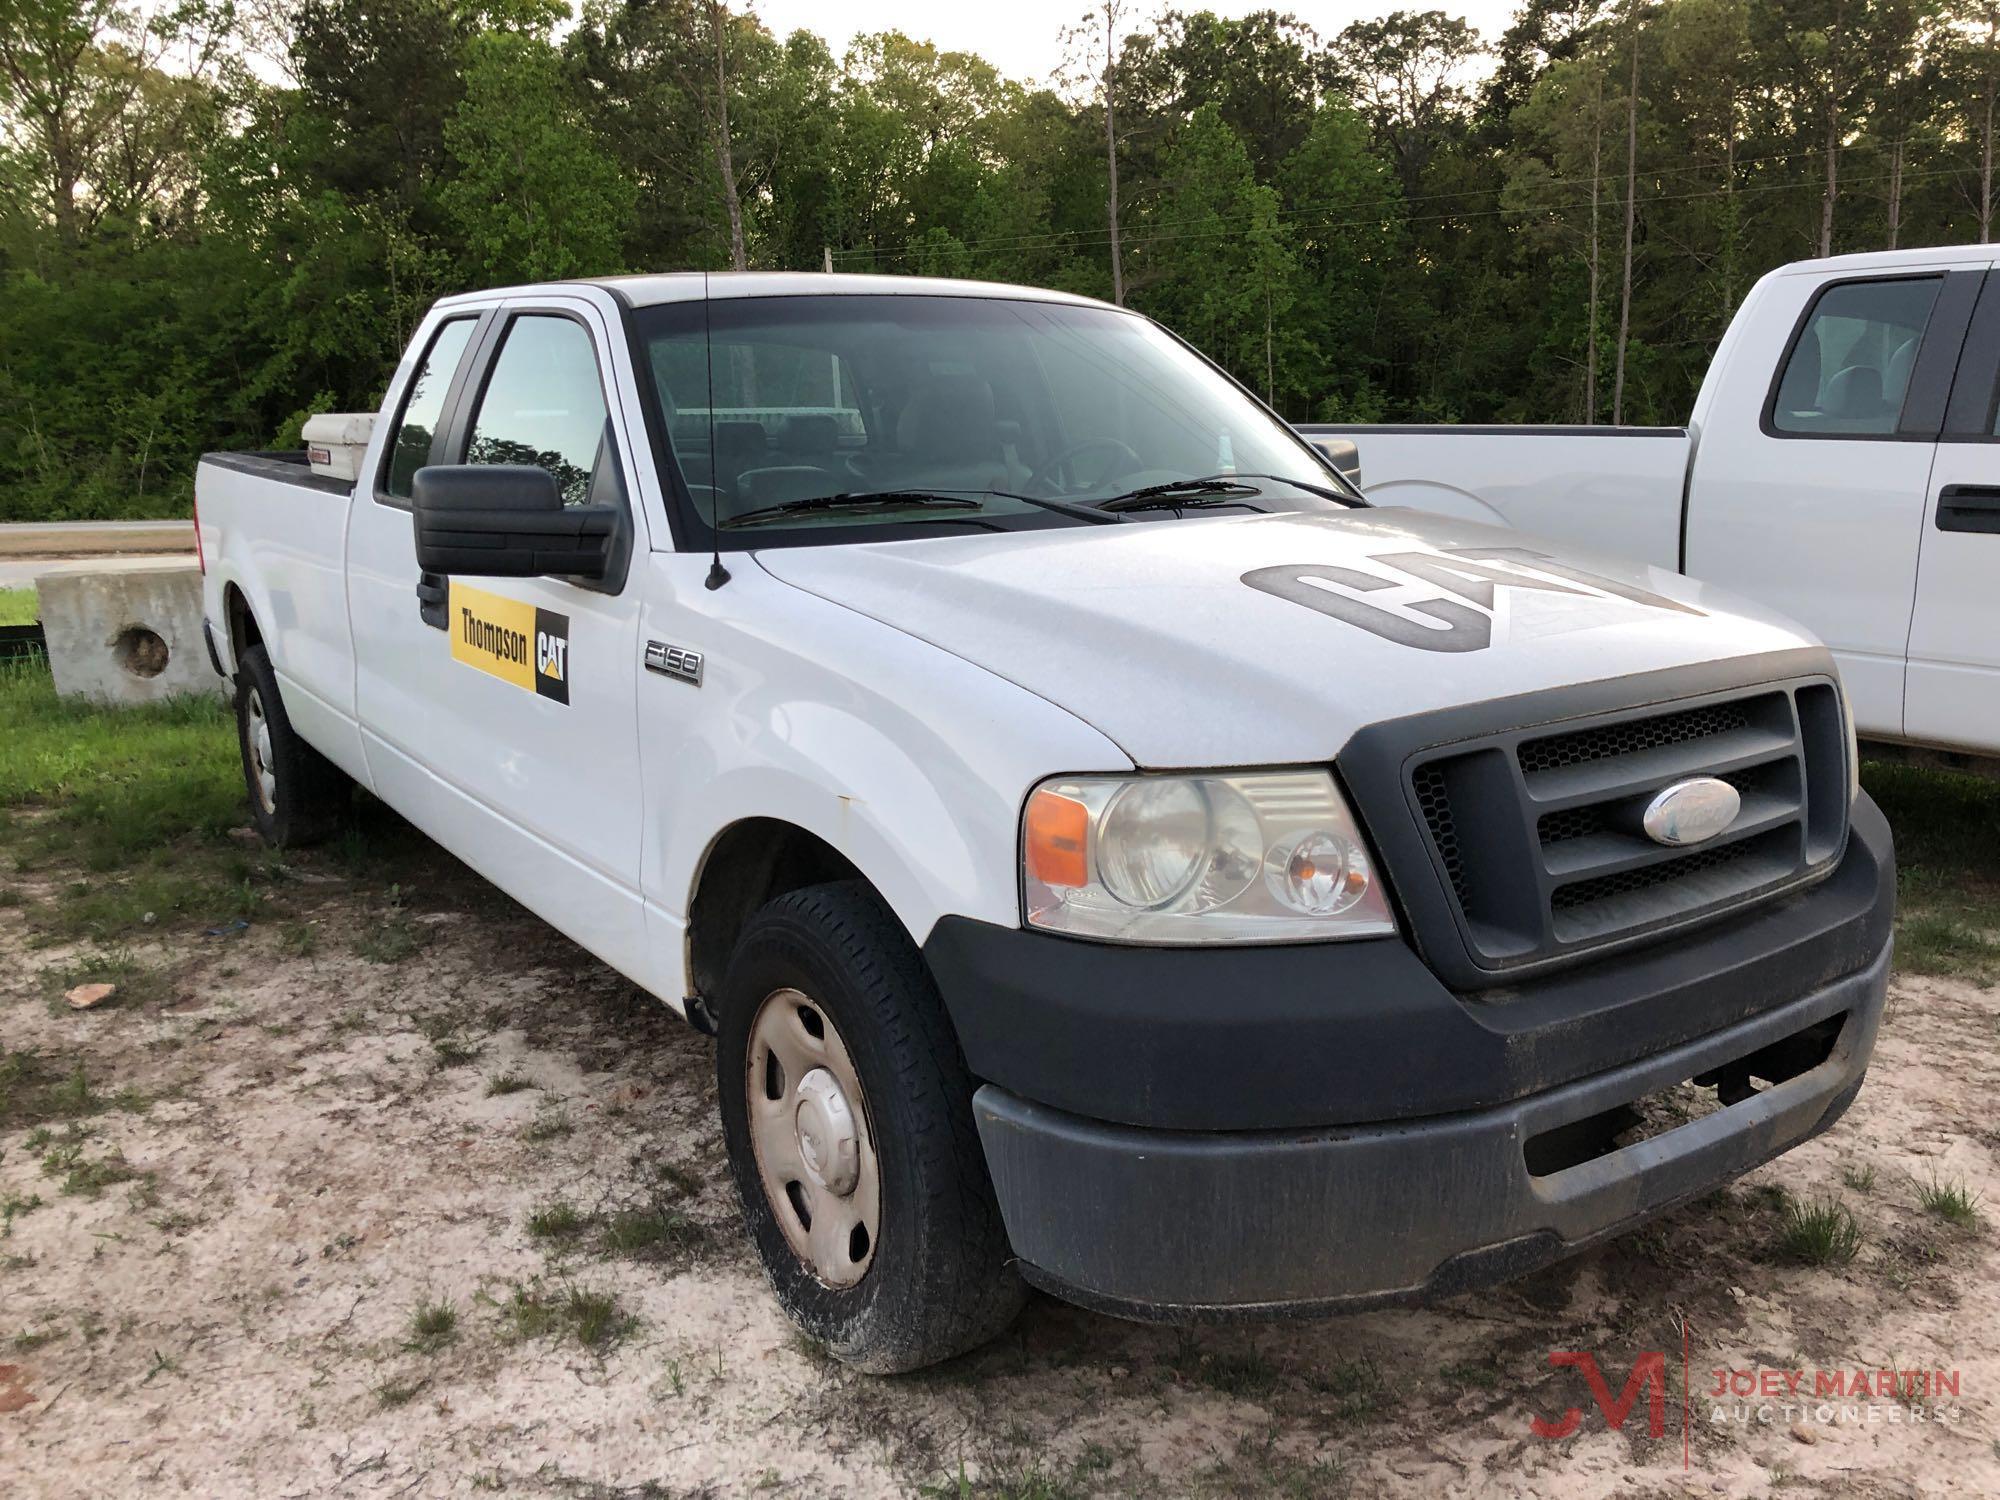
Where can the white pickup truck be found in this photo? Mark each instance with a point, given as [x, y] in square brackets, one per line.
[1112, 856]
[1831, 469]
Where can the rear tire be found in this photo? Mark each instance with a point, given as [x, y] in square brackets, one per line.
[874, 1139]
[297, 795]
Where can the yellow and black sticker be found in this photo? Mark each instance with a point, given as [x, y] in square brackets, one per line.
[511, 640]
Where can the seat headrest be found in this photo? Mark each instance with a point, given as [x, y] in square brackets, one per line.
[739, 438]
[809, 432]
[1855, 392]
[952, 415]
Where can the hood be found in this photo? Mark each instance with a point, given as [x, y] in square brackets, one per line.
[1269, 640]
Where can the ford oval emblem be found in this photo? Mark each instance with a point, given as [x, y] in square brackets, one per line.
[1691, 812]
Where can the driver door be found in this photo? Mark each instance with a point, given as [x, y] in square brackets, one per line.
[499, 714]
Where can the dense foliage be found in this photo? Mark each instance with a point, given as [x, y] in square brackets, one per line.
[220, 218]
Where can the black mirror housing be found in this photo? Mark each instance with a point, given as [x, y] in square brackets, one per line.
[1344, 454]
[506, 521]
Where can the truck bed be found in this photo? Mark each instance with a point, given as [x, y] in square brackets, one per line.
[285, 465]
[1618, 490]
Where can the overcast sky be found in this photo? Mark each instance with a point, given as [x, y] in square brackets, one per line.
[1023, 37]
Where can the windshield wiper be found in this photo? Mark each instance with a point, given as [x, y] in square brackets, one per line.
[1180, 494]
[853, 500]
[1349, 497]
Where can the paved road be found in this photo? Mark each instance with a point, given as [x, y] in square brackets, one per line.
[79, 538]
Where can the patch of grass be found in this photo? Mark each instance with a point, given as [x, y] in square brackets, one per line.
[1245, 1373]
[1935, 942]
[1477, 1377]
[18, 607]
[557, 1221]
[1822, 1232]
[1355, 1388]
[85, 1177]
[138, 983]
[651, 1233]
[1951, 1201]
[508, 1082]
[594, 1319]
[299, 939]
[28, 1343]
[35, 1090]
[551, 1123]
[433, 1325]
[1859, 1179]
[684, 1182]
[391, 1394]
[116, 787]
[1948, 868]
[14, 1206]
[391, 940]
[453, 1052]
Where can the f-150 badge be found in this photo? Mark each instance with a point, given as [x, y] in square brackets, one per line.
[1470, 576]
[511, 640]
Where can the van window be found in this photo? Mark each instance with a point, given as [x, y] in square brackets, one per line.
[423, 405]
[544, 405]
[1850, 369]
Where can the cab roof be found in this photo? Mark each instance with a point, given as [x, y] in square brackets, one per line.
[648, 290]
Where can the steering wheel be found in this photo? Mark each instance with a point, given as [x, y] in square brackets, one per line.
[1062, 463]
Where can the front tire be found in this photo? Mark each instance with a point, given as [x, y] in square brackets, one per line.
[297, 795]
[847, 1112]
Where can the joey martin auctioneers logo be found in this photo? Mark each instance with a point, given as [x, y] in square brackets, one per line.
[1756, 1395]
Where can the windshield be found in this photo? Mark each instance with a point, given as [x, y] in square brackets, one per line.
[1026, 413]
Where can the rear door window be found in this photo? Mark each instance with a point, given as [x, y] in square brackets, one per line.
[423, 404]
[1849, 370]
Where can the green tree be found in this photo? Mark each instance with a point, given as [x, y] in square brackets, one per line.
[534, 197]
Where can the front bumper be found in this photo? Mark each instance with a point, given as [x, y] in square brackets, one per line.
[1435, 1194]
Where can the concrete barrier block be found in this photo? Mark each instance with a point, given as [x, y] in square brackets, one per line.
[126, 637]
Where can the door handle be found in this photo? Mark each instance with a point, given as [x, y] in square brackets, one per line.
[433, 590]
[1969, 507]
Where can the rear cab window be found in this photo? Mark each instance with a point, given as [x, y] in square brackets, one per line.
[1848, 370]
[423, 405]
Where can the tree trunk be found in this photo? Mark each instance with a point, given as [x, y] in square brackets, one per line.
[1895, 193]
[725, 156]
[1832, 136]
[1986, 131]
[1270, 356]
[1730, 228]
[1596, 180]
[1111, 146]
[1631, 214]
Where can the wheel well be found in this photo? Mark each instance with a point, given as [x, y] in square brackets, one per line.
[754, 861]
[242, 625]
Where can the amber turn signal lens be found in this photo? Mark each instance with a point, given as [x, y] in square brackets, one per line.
[1057, 829]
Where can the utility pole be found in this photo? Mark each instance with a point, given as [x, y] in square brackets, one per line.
[1111, 9]
[1631, 213]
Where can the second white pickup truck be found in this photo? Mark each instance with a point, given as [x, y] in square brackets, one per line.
[1835, 467]
[1111, 855]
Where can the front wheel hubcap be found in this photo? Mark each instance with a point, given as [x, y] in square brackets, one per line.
[809, 1128]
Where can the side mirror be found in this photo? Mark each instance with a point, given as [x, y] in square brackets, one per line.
[1342, 454]
[506, 521]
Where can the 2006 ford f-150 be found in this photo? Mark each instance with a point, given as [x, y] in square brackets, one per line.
[1110, 854]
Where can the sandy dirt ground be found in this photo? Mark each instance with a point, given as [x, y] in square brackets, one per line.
[296, 1136]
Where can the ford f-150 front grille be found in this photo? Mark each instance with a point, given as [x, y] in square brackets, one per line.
[1537, 832]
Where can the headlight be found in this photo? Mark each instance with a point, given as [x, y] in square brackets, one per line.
[1267, 857]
